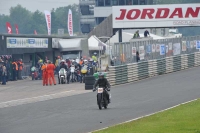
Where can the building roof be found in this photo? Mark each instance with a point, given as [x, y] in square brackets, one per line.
[127, 35]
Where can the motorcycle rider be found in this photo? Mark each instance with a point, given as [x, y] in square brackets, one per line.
[62, 65]
[103, 82]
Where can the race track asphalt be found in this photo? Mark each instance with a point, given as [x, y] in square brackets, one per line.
[80, 114]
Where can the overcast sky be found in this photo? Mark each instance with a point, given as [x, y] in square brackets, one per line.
[34, 5]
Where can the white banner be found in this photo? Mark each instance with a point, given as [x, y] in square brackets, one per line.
[153, 48]
[70, 23]
[27, 42]
[177, 48]
[157, 47]
[141, 16]
[134, 51]
[141, 52]
[48, 21]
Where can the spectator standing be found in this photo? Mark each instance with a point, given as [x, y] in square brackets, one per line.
[7, 64]
[1, 71]
[136, 34]
[50, 70]
[44, 74]
[20, 67]
[146, 33]
[4, 74]
[15, 70]
[137, 56]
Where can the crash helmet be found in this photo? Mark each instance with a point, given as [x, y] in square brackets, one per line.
[62, 61]
[95, 53]
[101, 75]
[85, 61]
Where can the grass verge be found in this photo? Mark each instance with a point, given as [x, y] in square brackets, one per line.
[182, 119]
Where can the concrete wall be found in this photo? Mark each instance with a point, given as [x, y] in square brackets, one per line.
[84, 47]
[103, 29]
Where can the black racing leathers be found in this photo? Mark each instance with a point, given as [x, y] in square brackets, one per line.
[104, 84]
[63, 66]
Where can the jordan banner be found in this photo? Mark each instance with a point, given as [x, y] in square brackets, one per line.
[70, 23]
[48, 21]
[9, 28]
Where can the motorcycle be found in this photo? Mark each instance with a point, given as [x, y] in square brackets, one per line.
[34, 73]
[102, 100]
[72, 70]
[84, 72]
[62, 76]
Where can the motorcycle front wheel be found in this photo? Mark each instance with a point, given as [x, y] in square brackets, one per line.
[99, 101]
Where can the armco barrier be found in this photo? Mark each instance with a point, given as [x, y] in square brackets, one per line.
[137, 71]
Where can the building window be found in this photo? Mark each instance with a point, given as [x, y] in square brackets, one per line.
[135, 2]
[142, 2]
[107, 2]
[121, 2]
[99, 20]
[100, 2]
[115, 2]
[128, 2]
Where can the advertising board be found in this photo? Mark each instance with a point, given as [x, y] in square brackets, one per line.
[175, 15]
[15, 42]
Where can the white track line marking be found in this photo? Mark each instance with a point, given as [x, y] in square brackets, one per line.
[34, 99]
[146, 115]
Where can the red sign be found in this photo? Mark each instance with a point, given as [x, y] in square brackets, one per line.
[147, 16]
[158, 13]
[9, 28]
[17, 29]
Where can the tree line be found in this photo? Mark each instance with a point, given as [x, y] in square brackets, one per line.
[29, 21]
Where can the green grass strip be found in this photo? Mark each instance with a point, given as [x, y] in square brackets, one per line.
[182, 119]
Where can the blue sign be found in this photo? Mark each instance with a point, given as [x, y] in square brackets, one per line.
[148, 48]
[12, 41]
[162, 49]
[31, 41]
[46, 41]
[198, 45]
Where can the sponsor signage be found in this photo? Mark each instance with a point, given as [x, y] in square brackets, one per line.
[48, 21]
[70, 23]
[197, 44]
[27, 42]
[175, 15]
[162, 49]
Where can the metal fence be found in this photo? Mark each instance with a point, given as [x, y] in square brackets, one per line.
[125, 52]
[26, 71]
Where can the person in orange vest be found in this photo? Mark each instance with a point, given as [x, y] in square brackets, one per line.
[50, 70]
[81, 61]
[20, 67]
[15, 70]
[44, 74]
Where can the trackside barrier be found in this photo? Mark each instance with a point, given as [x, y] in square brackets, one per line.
[26, 72]
[136, 71]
